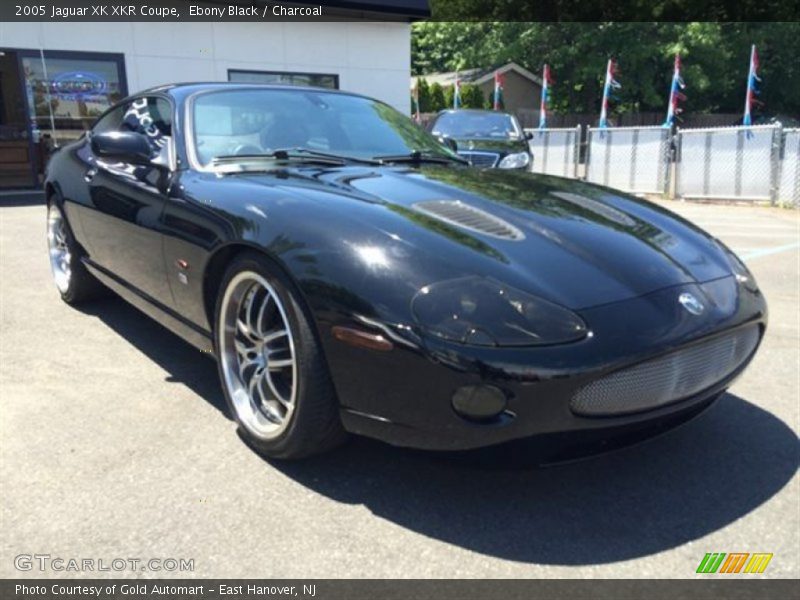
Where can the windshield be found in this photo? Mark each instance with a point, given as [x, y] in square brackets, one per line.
[477, 125]
[260, 121]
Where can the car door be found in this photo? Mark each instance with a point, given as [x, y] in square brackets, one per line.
[123, 222]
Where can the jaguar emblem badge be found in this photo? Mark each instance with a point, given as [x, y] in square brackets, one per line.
[690, 303]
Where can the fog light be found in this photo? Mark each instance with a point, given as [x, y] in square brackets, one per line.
[479, 402]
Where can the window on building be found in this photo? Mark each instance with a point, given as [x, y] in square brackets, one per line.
[16, 158]
[68, 91]
[323, 80]
[47, 99]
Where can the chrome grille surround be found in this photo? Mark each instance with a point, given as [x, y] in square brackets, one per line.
[669, 378]
[480, 159]
[466, 216]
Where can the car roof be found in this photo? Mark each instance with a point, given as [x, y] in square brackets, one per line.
[474, 111]
[186, 88]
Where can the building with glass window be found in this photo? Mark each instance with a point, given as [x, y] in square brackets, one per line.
[56, 78]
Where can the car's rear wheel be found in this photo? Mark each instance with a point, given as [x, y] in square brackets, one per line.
[272, 369]
[73, 281]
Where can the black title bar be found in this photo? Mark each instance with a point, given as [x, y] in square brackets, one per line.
[393, 10]
[210, 10]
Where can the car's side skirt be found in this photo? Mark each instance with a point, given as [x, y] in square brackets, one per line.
[197, 337]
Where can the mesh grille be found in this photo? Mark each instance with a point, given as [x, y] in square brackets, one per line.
[468, 217]
[667, 379]
[480, 159]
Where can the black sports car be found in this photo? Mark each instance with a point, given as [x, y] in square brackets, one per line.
[485, 138]
[352, 274]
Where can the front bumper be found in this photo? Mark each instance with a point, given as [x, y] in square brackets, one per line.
[404, 396]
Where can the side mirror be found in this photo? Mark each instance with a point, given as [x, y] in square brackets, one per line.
[528, 135]
[449, 142]
[124, 146]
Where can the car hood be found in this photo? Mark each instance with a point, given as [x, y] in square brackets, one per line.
[570, 242]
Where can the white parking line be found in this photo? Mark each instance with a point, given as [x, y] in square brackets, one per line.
[767, 251]
[739, 226]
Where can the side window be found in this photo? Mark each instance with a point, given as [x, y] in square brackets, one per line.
[150, 116]
[110, 122]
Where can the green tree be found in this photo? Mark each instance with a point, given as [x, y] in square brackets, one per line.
[472, 96]
[613, 10]
[448, 91]
[436, 47]
[437, 102]
[424, 95]
[715, 60]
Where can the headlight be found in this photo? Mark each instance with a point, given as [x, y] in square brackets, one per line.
[484, 312]
[740, 271]
[515, 161]
[743, 274]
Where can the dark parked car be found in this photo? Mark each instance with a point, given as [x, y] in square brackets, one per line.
[486, 138]
[352, 274]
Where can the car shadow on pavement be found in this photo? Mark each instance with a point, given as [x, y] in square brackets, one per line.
[633, 502]
[184, 363]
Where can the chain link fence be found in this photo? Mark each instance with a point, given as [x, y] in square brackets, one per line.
[555, 151]
[759, 163]
[732, 163]
[632, 159]
[789, 182]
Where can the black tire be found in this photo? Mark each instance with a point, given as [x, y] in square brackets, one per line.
[80, 285]
[314, 425]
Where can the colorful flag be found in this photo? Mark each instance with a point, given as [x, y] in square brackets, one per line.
[415, 99]
[546, 81]
[498, 91]
[752, 90]
[457, 92]
[675, 94]
[611, 84]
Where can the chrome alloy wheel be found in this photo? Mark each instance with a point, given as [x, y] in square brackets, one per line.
[257, 355]
[58, 247]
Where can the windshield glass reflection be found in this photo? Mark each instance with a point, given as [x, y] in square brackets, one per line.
[250, 122]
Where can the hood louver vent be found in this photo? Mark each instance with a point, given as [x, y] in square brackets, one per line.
[468, 217]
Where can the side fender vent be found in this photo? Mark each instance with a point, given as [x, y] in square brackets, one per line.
[465, 216]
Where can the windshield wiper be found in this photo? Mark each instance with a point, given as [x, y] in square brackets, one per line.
[301, 154]
[291, 152]
[419, 157]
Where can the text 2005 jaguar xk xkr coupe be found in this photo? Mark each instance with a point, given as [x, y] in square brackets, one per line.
[352, 274]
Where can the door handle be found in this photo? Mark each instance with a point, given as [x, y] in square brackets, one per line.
[89, 175]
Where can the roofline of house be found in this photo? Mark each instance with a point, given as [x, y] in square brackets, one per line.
[511, 66]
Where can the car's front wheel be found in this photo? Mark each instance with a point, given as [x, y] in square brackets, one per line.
[73, 281]
[274, 375]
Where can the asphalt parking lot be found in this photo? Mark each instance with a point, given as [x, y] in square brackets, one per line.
[115, 443]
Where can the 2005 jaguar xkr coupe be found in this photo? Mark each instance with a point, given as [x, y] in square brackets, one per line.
[351, 274]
